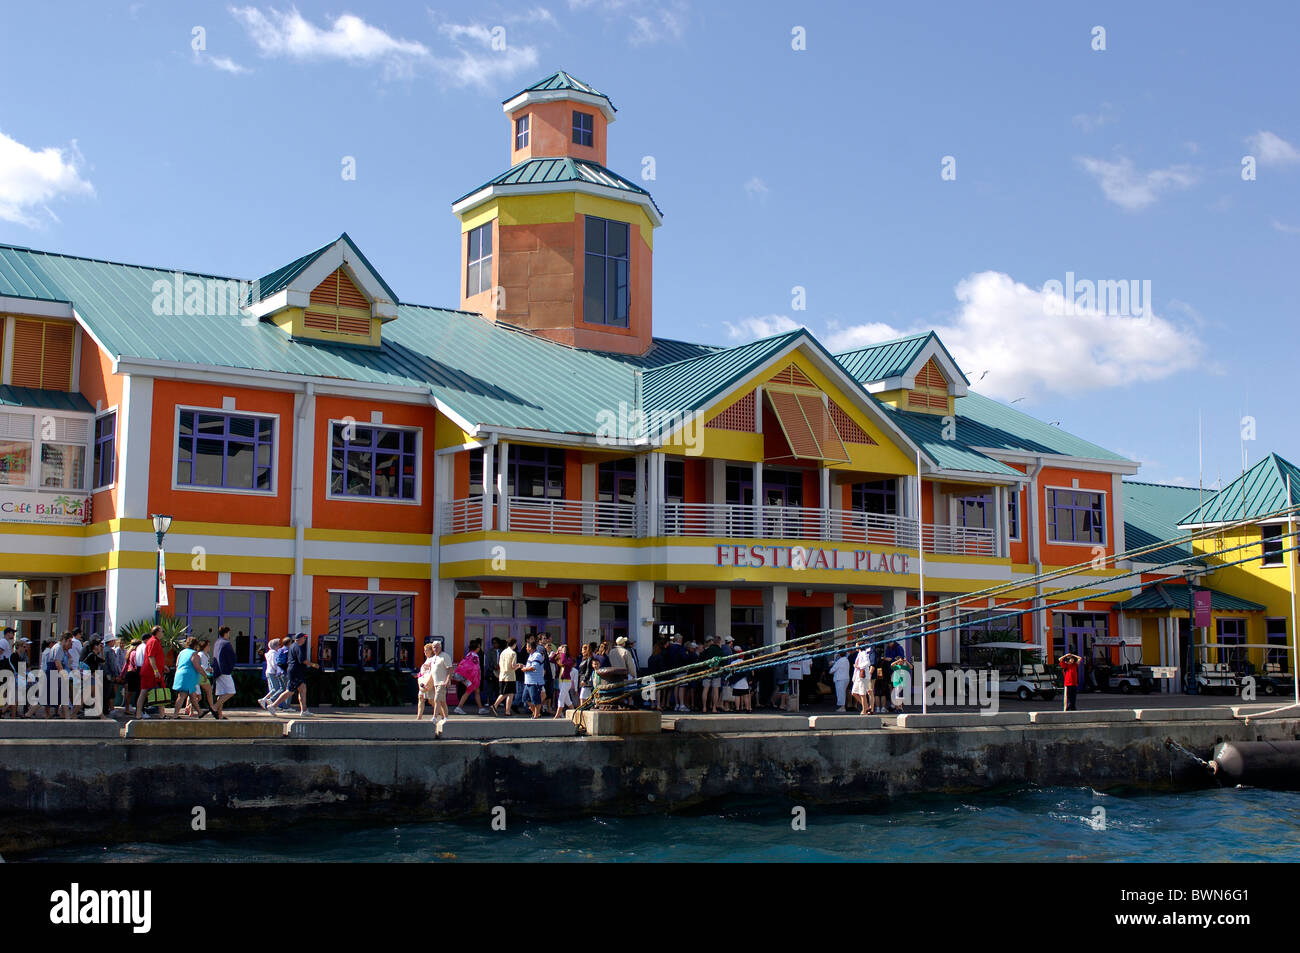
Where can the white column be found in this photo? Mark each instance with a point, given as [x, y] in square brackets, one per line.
[502, 485]
[590, 618]
[655, 508]
[640, 616]
[135, 422]
[1117, 512]
[774, 610]
[300, 594]
[758, 498]
[488, 483]
[824, 472]
[839, 615]
[721, 612]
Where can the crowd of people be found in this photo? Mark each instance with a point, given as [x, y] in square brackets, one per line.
[538, 678]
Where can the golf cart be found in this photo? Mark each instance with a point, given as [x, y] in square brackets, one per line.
[1130, 675]
[1231, 679]
[1016, 676]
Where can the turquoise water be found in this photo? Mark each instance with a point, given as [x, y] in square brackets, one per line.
[1030, 824]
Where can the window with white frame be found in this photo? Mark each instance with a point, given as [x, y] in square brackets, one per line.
[1075, 516]
[221, 450]
[63, 452]
[103, 468]
[1271, 545]
[373, 462]
[17, 441]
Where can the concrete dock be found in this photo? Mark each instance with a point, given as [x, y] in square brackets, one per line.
[147, 781]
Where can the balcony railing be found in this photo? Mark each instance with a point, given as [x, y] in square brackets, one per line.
[583, 517]
[596, 518]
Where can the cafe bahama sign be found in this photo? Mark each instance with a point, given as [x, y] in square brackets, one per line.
[810, 557]
[32, 508]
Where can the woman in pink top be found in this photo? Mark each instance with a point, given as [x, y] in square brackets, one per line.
[468, 673]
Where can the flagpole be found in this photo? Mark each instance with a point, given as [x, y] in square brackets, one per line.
[1295, 559]
[920, 553]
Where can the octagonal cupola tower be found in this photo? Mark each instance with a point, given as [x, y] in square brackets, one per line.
[558, 244]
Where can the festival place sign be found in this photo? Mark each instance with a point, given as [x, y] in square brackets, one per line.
[811, 557]
[60, 510]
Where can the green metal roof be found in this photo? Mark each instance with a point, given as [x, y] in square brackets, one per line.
[664, 351]
[1260, 490]
[686, 385]
[927, 432]
[1164, 596]
[11, 396]
[558, 170]
[984, 422]
[878, 362]
[560, 80]
[1151, 512]
[281, 278]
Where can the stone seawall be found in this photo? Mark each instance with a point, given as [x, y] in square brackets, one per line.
[102, 791]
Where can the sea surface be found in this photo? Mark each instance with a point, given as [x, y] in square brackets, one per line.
[1028, 824]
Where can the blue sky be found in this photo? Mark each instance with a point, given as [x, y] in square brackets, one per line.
[818, 168]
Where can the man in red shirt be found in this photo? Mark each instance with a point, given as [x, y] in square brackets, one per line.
[1070, 669]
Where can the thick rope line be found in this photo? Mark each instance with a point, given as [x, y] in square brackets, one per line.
[744, 662]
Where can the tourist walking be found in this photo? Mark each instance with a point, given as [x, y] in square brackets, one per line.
[223, 670]
[901, 675]
[114, 671]
[586, 671]
[841, 673]
[296, 677]
[712, 684]
[469, 673]
[274, 674]
[534, 677]
[564, 665]
[432, 681]
[152, 666]
[1069, 664]
[507, 673]
[55, 669]
[863, 675]
[189, 675]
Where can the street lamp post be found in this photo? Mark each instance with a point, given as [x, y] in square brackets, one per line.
[161, 524]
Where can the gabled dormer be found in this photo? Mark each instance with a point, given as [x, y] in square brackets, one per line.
[912, 373]
[331, 295]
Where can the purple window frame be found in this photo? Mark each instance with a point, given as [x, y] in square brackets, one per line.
[238, 621]
[986, 503]
[616, 472]
[550, 461]
[263, 436]
[1067, 501]
[404, 457]
[584, 128]
[1013, 514]
[341, 613]
[88, 611]
[103, 469]
[886, 491]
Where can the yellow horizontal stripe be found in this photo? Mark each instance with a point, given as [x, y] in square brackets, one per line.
[368, 536]
[348, 567]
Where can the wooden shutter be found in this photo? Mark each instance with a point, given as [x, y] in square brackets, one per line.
[42, 355]
[338, 305]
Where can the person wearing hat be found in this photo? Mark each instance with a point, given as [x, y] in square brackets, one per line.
[621, 657]
[296, 673]
[7, 640]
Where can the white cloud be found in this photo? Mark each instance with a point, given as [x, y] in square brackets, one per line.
[1005, 333]
[223, 63]
[1286, 229]
[652, 21]
[1131, 189]
[756, 188]
[749, 329]
[1091, 122]
[349, 38]
[484, 55]
[1272, 149]
[30, 178]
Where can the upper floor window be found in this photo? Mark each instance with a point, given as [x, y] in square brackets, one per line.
[478, 269]
[535, 472]
[605, 280]
[583, 124]
[1075, 516]
[17, 432]
[879, 497]
[373, 462]
[975, 511]
[224, 451]
[521, 132]
[63, 453]
[616, 481]
[103, 470]
[1271, 544]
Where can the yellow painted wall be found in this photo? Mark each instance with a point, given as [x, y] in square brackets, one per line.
[1268, 585]
[557, 207]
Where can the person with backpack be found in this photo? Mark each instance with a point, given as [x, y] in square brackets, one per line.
[298, 663]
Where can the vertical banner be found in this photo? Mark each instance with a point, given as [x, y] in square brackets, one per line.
[162, 578]
[1201, 608]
